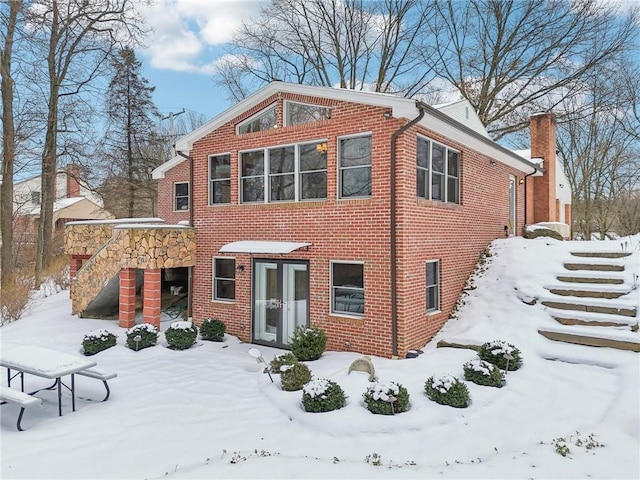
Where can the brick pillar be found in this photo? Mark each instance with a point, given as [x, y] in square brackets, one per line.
[127, 313]
[543, 145]
[151, 301]
[74, 265]
[73, 187]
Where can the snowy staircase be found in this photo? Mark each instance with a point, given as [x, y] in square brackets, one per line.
[593, 303]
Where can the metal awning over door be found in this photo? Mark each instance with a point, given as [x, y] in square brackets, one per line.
[263, 247]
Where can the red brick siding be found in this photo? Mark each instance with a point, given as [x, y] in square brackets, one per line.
[355, 230]
[179, 173]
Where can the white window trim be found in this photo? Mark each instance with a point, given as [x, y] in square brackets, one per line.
[339, 177]
[287, 103]
[209, 181]
[213, 280]
[175, 197]
[437, 285]
[265, 173]
[446, 170]
[255, 116]
[345, 314]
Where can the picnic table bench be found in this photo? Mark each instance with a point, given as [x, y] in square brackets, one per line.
[24, 400]
[99, 374]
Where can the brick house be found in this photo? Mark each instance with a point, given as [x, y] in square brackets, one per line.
[360, 213]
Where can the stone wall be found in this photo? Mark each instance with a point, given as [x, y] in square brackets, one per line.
[86, 238]
[129, 247]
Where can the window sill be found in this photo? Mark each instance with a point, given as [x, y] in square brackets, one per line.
[433, 313]
[435, 203]
[346, 317]
[223, 302]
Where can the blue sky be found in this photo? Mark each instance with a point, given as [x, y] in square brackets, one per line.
[187, 39]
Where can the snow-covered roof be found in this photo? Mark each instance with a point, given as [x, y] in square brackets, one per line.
[262, 246]
[61, 204]
[450, 125]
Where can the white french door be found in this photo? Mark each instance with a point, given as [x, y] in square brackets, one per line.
[280, 300]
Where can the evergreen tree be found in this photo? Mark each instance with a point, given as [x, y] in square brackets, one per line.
[130, 139]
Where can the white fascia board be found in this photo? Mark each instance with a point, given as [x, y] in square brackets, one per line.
[159, 171]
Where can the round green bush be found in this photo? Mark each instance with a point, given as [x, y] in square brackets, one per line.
[447, 390]
[181, 335]
[308, 343]
[294, 377]
[494, 352]
[281, 360]
[97, 340]
[378, 395]
[482, 372]
[212, 329]
[146, 334]
[322, 395]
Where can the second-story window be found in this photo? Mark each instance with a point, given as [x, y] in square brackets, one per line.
[181, 196]
[355, 166]
[438, 172]
[219, 179]
[288, 173]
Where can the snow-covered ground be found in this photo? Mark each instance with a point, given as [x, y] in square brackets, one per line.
[210, 412]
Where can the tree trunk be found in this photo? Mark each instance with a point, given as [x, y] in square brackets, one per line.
[7, 262]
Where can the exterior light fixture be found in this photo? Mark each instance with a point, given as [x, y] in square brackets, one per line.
[240, 268]
[255, 353]
[521, 180]
[492, 162]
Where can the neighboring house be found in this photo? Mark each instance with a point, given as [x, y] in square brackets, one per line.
[360, 213]
[74, 201]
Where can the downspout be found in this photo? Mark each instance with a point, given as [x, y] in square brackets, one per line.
[535, 170]
[394, 243]
[190, 274]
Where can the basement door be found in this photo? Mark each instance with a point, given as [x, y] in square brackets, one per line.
[280, 300]
[512, 205]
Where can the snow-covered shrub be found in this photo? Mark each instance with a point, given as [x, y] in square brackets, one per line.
[482, 372]
[181, 335]
[281, 360]
[447, 390]
[294, 377]
[212, 329]
[308, 343]
[378, 398]
[97, 340]
[494, 352]
[142, 336]
[322, 395]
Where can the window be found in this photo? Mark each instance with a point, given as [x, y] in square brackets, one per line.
[284, 174]
[301, 113]
[438, 172]
[433, 286]
[219, 179]
[355, 166]
[35, 198]
[347, 288]
[181, 196]
[224, 279]
[265, 120]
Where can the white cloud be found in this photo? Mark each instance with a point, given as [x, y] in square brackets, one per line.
[187, 32]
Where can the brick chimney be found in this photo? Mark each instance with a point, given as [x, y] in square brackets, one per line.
[73, 187]
[543, 145]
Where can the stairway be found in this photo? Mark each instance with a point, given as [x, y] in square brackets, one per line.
[594, 303]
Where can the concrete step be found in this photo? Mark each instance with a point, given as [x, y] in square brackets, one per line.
[601, 254]
[568, 317]
[598, 267]
[590, 279]
[571, 292]
[590, 339]
[592, 308]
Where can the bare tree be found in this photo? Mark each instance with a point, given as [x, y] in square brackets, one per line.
[509, 58]
[9, 23]
[72, 39]
[349, 43]
[601, 157]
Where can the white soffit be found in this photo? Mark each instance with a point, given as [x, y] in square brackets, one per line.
[262, 246]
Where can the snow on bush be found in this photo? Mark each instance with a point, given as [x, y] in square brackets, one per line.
[482, 372]
[386, 398]
[322, 395]
[181, 335]
[495, 351]
[97, 340]
[447, 390]
[142, 336]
